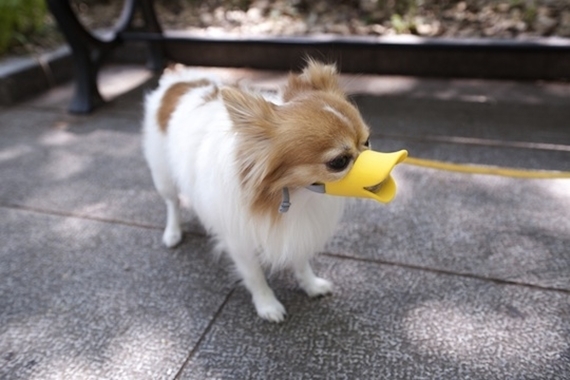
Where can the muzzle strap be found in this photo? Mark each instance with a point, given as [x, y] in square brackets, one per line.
[317, 188]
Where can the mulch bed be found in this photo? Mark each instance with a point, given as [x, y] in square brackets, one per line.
[509, 19]
[430, 18]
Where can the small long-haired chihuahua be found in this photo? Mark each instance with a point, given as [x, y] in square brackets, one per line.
[244, 160]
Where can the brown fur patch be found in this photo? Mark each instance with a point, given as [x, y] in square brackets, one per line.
[171, 98]
[210, 97]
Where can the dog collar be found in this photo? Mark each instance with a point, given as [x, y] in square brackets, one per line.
[285, 204]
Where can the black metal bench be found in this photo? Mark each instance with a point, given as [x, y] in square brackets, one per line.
[545, 59]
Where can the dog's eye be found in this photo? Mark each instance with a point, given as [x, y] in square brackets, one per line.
[339, 164]
[367, 143]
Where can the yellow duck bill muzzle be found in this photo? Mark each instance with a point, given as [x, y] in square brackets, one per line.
[369, 177]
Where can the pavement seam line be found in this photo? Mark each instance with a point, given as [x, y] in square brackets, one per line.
[77, 216]
[207, 330]
[488, 170]
[476, 141]
[340, 256]
[448, 273]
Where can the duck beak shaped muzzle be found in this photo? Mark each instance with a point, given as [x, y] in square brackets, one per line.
[369, 177]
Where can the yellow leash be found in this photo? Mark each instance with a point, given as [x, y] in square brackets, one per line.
[489, 170]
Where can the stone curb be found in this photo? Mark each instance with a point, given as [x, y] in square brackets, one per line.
[536, 59]
[22, 78]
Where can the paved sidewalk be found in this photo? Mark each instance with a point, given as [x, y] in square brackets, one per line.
[462, 276]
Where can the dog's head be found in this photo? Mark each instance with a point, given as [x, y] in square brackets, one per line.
[314, 136]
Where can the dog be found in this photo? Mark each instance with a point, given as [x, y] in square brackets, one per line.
[245, 159]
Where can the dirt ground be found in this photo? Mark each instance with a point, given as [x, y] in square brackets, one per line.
[508, 19]
[430, 18]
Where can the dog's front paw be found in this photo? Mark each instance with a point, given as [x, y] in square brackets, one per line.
[271, 310]
[172, 237]
[318, 287]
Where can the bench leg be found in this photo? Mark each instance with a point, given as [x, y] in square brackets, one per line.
[89, 51]
[156, 56]
[86, 96]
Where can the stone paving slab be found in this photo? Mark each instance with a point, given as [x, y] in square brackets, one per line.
[491, 153]
[467, 223]
[80, 166]
[462, 276]
[510, 229]
[89, 300]
[410, 117]
[389, 322]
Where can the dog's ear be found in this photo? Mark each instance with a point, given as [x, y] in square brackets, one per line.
[254, 121]
[316, 76]
[249, 111]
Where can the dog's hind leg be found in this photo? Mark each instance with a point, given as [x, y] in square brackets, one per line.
[172, 232]
[169, 191]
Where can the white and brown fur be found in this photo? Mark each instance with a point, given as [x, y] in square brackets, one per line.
[230, 151]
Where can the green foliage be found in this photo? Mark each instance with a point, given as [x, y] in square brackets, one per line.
[530, 14]
[399, 24]
[399, 7]
[19, 19]
[529, 9]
